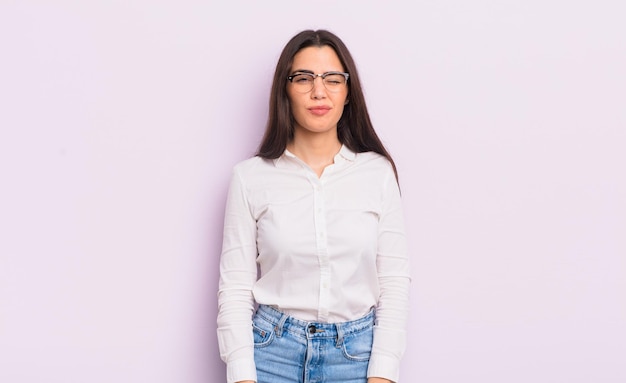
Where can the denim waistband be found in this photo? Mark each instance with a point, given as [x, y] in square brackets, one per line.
[283, 322]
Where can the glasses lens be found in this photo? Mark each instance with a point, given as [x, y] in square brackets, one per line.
[334, 82]
[303, 82]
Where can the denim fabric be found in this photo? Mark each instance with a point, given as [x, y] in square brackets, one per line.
[288, 350]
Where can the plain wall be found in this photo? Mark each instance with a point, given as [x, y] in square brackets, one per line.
[120, 122]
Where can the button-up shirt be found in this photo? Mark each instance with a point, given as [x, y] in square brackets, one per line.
[322, 249]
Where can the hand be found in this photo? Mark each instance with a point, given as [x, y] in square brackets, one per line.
[378, 380]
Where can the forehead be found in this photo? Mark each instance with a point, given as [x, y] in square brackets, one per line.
[317, 59]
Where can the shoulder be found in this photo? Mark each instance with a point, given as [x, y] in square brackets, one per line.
[250, 166]
[374, 162]
[378, 170]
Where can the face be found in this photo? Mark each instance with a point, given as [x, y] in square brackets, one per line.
[319, 110]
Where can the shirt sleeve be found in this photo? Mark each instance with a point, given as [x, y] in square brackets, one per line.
[394, 279]
[238, 273]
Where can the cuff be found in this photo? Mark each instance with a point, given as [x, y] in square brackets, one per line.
[242, 369]
[382, 366]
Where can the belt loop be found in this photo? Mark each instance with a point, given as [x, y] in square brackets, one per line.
[280, 325]
[339, 329]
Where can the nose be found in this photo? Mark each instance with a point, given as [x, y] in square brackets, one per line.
[319, 89]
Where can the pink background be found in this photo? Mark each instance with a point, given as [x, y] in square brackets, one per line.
[120, 122]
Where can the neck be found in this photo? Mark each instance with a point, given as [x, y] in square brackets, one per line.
[317, 151]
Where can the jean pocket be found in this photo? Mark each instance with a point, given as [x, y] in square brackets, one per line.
[358, 346]
[262, 337]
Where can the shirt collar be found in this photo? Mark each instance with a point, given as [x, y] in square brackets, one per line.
[346, 154]
[288, 158]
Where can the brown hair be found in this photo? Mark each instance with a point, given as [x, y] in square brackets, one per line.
[354, 129]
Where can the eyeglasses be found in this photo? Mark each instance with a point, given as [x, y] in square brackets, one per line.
[333, 81]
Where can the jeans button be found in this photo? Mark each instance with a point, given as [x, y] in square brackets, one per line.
[312, 329]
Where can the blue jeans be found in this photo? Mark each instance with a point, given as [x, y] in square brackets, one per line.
[289, 350]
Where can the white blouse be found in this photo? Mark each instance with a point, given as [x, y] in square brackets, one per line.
[328, 249]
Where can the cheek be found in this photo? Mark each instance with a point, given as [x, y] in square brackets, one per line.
[340, 109]
[297, 114]
[342, 99]
[340, 104]
[294, 101]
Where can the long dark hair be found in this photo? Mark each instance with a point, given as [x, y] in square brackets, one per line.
[354, 129]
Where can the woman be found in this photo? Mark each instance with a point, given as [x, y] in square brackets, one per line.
[318, 210]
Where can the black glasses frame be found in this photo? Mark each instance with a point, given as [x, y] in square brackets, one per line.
[322, 75]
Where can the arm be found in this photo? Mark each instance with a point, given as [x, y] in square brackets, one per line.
[378, 380]
[394, 279]
[238, 274]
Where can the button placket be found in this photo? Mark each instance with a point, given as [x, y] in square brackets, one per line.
[322, 249]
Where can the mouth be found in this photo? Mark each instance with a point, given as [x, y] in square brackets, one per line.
[319, 110]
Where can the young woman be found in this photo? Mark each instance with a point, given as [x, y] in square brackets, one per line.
[318, 210]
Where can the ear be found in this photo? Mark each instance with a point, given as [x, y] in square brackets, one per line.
[347, 101]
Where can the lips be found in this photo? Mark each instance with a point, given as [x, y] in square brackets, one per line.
[319, 110]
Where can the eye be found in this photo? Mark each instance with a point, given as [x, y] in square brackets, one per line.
[301, 79]
[334, 79]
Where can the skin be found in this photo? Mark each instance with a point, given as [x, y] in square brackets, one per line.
[315, 134]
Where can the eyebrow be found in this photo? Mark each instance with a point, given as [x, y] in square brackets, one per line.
[311, 72]
[303, 71]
